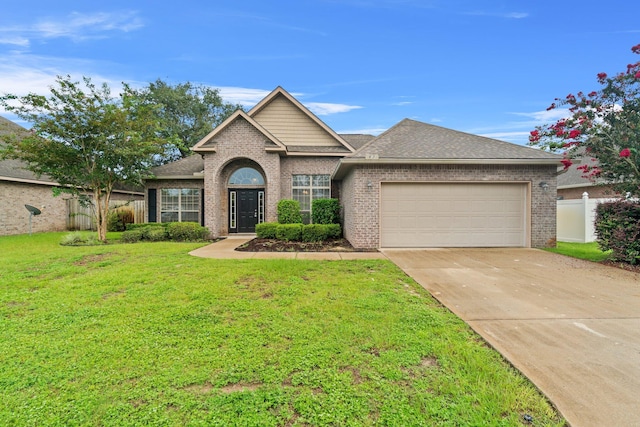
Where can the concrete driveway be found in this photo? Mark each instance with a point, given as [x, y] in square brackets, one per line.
[571, 326]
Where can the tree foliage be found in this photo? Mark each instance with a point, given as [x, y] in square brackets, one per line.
[85, 139]
[603, 127]
[187, 112]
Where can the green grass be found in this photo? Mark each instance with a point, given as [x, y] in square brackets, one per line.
[588, 251]
[144, 334]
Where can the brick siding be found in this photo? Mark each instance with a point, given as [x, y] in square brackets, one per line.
[14, 217]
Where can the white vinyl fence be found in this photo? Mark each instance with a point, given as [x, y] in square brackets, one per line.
[576, 218]
[81, 218]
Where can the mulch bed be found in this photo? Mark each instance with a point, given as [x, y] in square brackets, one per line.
[274, 245]
[622, 265]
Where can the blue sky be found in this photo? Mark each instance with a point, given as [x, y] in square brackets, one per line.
[484, 67]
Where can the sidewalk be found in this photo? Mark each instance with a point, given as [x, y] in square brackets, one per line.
[225, 249]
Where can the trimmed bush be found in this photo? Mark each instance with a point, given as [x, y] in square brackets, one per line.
[132, 236]
[266, 230]
[618, 230]
[187, 231]
[289, 212]
[314, 233]
[289, 232]
[325, 211]
[334, 231]
[147, 224]
[153, 233]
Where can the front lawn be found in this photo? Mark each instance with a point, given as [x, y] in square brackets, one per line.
[588, 251]
[144, 334]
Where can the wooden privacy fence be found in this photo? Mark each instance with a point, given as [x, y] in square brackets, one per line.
[81, 218]
[576, 219]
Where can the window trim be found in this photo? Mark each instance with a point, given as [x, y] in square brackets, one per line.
[310, 188]
[180, 211]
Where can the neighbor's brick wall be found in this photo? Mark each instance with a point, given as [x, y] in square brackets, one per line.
[14, 217]
[361, 204]
[239, 144]
[595, 192]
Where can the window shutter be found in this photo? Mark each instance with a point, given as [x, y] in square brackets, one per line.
[153, 212]
[202, 207]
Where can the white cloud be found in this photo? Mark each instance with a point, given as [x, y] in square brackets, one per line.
[364, 131]
[243, 96]
[76, 26]
[325, 109]
[506, 15]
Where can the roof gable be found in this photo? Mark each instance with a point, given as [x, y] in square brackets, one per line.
[411, 140]
[294, 125]
[208, 143]
[14, 170]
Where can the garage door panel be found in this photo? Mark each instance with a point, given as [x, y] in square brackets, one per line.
[453, 214]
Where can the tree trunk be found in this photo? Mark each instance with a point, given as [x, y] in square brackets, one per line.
[102, 213]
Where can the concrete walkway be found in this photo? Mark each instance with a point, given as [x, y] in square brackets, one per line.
[571, 326]
[224, 249]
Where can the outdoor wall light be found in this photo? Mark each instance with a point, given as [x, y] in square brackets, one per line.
[369, 185]
[544, 186]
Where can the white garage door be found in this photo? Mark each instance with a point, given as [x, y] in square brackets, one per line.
[426, 215]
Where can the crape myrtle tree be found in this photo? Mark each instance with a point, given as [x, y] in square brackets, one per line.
[85, 139]
[602, 127]
[187, 112]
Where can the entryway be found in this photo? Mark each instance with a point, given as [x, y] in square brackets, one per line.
[246, 209]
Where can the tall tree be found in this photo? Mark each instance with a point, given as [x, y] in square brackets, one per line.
[602, 126]
[187, 112]
[85, 139]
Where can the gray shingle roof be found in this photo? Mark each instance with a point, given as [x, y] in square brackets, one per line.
[411, 139]
[184, 167]
[14, 169]
[356, 140]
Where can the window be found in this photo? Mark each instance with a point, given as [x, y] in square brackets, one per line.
[307, 188]
[180, 205]
[246, 176]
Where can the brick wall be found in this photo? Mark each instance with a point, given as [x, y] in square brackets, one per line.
[304, 166]
[361, 203]
[14, 217]
[595, 192]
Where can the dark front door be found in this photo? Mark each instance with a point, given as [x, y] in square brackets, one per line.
[244, 211]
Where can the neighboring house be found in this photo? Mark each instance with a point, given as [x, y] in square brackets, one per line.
[20, 187]
[572, 184]
[415, 185]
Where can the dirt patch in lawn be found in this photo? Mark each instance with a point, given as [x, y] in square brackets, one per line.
[274, 245]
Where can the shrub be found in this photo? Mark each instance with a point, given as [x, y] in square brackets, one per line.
[289, 212]
[326, 211]
[334, 231]
[289, 232]
[117, 219]
[187, 231]
[266, 230]
[154, 233]
[314, 233]
[132, 236]
[147, 224]
[80, 239]
[618, 230]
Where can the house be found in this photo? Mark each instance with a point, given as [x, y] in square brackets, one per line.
[20, 187]
[415, 185]
[572, 184]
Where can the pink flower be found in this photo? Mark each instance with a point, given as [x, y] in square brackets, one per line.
[602, 76]
[592, 94]
[574, 133]
[625, 152]
[636, 49]
[637, 76]
[567, 163]
[535, 136]
[551, 107]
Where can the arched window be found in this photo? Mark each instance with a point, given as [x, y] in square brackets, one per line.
[246, 176]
